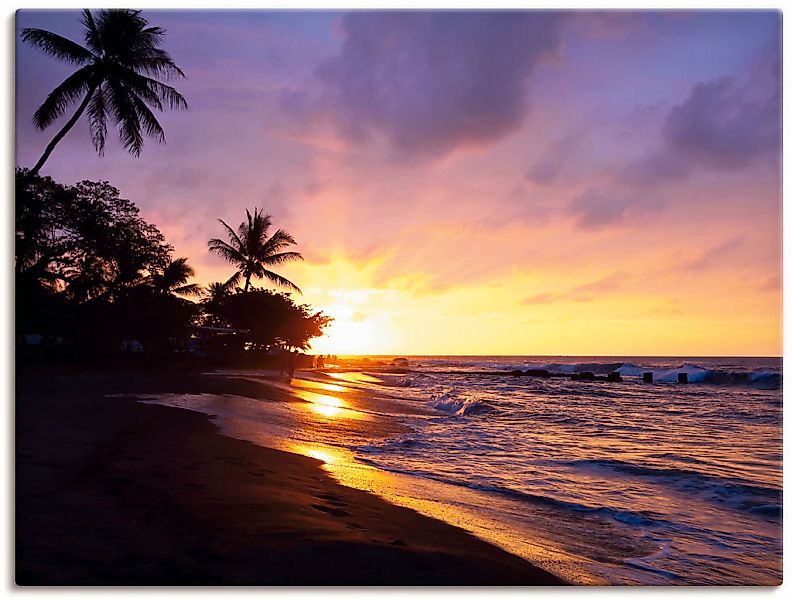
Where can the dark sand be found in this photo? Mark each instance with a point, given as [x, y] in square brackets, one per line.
[110, 491]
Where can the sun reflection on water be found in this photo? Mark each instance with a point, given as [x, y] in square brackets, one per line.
[326, 456]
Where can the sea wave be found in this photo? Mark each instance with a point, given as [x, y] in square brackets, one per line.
[454, 403]
[628, 517]
[766, 378]
[757, 499]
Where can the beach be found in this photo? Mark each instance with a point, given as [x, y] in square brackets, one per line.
[599, 482]
[113, 491]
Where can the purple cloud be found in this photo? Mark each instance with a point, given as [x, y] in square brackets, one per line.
[596, 208]
[723, 124]
[549, 166]
[430, 82]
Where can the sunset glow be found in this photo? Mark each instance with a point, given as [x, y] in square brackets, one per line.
[573, 218]
[398, 298]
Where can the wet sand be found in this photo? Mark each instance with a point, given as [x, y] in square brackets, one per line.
[110, 491]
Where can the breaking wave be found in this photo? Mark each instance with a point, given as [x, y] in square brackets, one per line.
[765, 378]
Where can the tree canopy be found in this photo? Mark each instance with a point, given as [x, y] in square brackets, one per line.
[89, 269]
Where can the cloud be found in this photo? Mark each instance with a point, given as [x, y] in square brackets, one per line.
[715, 255]
[430, 82]
[771, 284]
[581, 293]
[597, 208]
[548, 167]
[723, 124]
[607, 283]
[543, 298]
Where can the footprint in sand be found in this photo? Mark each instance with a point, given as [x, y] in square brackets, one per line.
[332, 499]
[336, 512]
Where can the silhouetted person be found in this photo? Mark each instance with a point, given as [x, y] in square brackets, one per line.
[281, 362]
[291, 361]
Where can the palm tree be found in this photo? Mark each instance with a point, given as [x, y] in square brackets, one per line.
[217, 291]
[115, 79]
[251, 250]
[173, 279]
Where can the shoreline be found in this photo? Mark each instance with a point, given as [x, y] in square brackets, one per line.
[113, 491]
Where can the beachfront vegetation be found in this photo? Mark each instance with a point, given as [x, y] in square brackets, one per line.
[269, 319]
[251, 250]
[119, 77]
[94, 277]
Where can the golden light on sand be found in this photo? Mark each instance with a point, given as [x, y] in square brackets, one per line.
[328, 406]
[325, 457]
[325, 400]
[326, 411]
[332, 387]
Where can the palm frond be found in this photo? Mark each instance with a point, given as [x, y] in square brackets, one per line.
[192, 289]
[158, 63]
[151, 87]
[137, 84]
[227, 251]
[280, 258]
[279, 240]
[255, 230]
[74, 86]
[92, 37]
[147, 119]
[235, 239]
[126, 118]
[280, 280]
[57, 46]
[97, 119]
[234, 280]
[179, 271]
[217, 290]
[149, 37]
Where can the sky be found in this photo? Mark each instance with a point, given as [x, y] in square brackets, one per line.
[474, 183]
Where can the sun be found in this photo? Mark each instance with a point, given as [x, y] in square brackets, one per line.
[348, 334]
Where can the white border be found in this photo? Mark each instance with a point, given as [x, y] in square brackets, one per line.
[6, 350]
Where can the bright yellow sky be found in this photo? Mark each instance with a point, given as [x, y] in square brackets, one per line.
[611, 187]
[713, 317]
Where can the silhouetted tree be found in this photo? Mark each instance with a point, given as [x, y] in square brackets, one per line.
[109, 245]
[251, 250]
[215, 295]
[160, 321]
[173, 277]
[271, 319]
[116, 79]
[40, 204]
[88, 267]
[90, 270]
[217, 291]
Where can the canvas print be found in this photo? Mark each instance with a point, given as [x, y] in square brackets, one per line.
[398, 298]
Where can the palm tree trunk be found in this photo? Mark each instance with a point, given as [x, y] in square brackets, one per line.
[247, 283]
[60, 135]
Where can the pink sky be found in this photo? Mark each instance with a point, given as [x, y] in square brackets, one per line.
[478, 183]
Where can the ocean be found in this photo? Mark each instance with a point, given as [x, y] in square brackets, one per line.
[626, 482]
